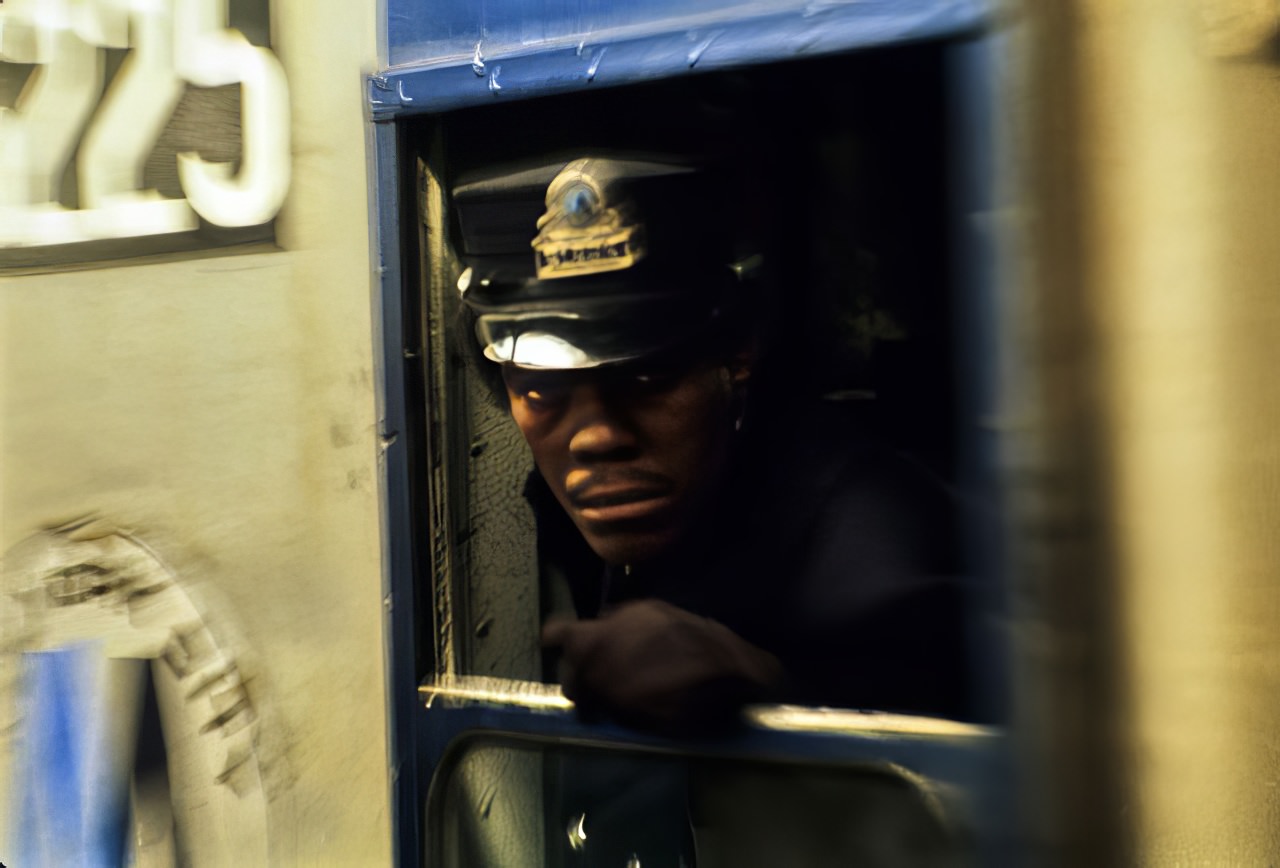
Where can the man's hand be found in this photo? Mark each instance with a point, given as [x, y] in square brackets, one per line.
[654, 666]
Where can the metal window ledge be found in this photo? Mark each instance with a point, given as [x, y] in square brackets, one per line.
[454, 691]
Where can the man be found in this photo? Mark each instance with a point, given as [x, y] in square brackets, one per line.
[743, 547]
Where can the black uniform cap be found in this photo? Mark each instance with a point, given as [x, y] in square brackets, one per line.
[597, 260]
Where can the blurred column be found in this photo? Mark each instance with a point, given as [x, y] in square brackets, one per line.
[1152, 185]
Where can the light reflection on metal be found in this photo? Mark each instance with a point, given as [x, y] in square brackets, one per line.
[701, 48]
[930, 793]
[594, 66]
[468, 689]
[577, 832]
[795, 718]
[496, 691]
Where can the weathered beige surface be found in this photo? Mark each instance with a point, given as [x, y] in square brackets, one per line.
[1186, 151]
[222, 409]
[1160, 173]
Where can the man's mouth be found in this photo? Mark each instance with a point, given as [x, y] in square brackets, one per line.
[615, 502]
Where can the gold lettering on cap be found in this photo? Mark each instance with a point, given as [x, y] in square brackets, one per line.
[582, 232]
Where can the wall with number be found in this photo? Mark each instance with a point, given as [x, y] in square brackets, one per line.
[63, 111]
[210, 403]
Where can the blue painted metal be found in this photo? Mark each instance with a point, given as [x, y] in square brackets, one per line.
[978, 309]
[465, 54]
[972, 78]
[393, 465]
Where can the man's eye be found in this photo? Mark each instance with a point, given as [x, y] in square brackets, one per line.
[542, 397]
[652, 382]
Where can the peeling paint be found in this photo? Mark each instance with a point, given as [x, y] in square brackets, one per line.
[695, 54]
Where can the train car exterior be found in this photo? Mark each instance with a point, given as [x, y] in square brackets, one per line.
[190, 450]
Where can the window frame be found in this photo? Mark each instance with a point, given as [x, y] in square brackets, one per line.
[426, 718]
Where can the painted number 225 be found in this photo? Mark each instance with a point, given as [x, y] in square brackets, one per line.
[172, 43]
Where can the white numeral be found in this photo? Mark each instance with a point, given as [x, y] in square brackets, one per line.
[39, 135]
[210, 56]
[171, 41]
[132, 116]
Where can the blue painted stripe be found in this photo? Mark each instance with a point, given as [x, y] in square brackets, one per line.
[70, 809]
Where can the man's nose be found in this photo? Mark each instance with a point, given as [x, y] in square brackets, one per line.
[601, 429]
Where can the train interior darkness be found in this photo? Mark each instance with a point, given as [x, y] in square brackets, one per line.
[846, 157]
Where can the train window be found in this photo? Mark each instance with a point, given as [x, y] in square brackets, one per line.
[507, 801]
[852, 402]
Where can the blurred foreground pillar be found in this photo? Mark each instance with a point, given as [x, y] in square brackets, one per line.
[1147, 500]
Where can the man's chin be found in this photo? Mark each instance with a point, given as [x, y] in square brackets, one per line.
[635, 547]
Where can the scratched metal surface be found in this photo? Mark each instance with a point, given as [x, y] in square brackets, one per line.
[468, 54]
[486, 577]
[418, 31]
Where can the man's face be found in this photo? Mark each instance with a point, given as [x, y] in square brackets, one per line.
[634, 452]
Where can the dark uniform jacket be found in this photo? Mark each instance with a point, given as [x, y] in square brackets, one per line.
[827, 549]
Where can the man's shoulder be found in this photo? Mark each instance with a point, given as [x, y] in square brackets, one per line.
[822, 462]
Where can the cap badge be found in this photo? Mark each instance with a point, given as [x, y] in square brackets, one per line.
[583, 232]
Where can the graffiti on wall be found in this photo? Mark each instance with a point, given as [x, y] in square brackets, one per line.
[130, 726]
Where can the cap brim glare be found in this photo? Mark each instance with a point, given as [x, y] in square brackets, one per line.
[540, 350]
